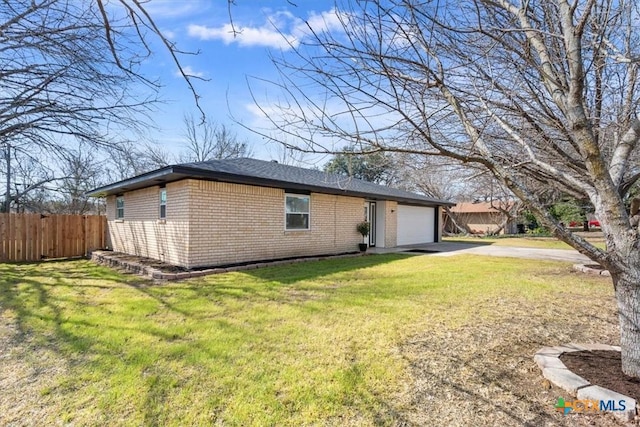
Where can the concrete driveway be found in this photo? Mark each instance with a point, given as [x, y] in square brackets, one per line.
[455, 248]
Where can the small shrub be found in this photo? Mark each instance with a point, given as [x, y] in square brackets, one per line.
[363, 228]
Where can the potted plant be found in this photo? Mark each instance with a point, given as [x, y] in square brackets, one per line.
[363, 228]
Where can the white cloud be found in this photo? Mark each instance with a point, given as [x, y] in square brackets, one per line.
[326, 21]
[171, 9]
[245, 36]
[169, 34]
[281, 30]
[189, 71]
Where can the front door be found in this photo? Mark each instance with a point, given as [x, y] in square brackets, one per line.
[372, 223]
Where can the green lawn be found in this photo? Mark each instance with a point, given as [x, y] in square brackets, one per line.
[309, 343]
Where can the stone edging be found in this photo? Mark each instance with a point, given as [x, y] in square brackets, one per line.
[589, 269]
[548, 359]
[103, 257]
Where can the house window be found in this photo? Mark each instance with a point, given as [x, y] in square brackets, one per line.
[120, 207]
[297, 212]
[163, 203]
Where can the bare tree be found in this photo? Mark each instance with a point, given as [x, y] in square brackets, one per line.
[131, 160]
[70, 73]
[155, 157]
[481, 186]
[540, 93]
[284, 154]
[30, 179]
[440, 178]
[45, 184]
[208, 141]
[82, 171]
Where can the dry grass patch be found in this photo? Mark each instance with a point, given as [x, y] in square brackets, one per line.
[482, 373]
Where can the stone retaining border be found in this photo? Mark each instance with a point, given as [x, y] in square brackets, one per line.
[591, 269]
[548, 359]
[104, 258]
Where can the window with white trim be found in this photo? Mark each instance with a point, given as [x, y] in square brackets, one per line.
[119, 207]
[163, 203]
[297, 211]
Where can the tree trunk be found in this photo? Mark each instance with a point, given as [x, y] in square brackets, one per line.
[506, 218]
[627, 286]
[461, 226]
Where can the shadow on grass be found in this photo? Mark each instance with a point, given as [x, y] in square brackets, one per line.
[42, 317]
[51, 305]
[270, 284]
[48, 308]
[22, 291]
[25, 287]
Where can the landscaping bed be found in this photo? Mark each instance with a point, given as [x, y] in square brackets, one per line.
[157, 269]
[603, 368]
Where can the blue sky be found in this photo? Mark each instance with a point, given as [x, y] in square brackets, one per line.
[226, 61]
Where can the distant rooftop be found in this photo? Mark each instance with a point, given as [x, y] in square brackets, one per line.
[267, 174]
[480, 207]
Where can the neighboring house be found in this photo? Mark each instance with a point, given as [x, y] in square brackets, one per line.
[238, 210]
[482, 218]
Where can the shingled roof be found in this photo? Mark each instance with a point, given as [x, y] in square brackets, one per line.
[267, 174]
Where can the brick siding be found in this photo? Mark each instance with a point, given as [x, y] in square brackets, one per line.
[142, 233]
[212, 223]
[233, 223]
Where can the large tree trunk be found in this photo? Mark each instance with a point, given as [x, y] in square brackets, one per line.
[622, 259]
[627, 286]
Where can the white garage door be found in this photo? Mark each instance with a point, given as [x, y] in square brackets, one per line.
[415, 225]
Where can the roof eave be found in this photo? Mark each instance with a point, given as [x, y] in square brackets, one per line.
[121, 186]
[174, 173]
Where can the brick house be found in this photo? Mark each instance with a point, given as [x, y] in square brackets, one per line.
[238, 210]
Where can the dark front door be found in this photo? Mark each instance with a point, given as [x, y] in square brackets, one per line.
[372, 222]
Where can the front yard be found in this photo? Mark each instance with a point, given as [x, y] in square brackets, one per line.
[376, 340]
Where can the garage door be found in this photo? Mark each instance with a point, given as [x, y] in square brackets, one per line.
[415, 225]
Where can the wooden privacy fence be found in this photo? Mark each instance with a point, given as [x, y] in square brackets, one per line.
[32, 237]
